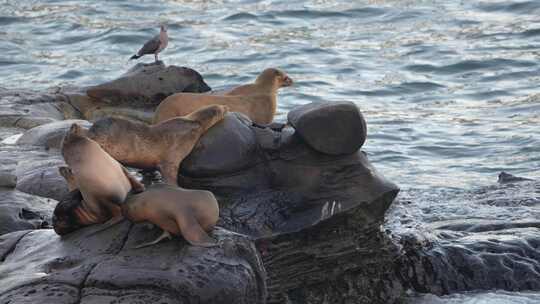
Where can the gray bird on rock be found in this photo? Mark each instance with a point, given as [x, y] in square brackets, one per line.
[154, 45]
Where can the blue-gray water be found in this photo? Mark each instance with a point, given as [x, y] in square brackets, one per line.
[450, 89]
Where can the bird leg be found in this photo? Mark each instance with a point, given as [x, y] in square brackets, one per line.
[156, 56]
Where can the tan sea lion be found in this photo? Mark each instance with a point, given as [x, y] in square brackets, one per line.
[102, 181]
[178, 211]
[162, 146]
[257, 100]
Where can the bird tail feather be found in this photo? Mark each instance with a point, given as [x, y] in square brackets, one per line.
[134, 57]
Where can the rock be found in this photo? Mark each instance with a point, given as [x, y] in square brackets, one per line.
[315, 217]
[210, 158]
[497, 249]
[145, 85]
[509, 178]
[20, 211]
[136, 93]
[40, 266]
[41, 177]
[33, 169]
[332, 128]
[50, 135]
[28, 109]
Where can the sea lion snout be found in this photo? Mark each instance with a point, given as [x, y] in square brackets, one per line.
[287, 81]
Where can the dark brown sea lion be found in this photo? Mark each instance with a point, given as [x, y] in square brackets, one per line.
[257, 100]
[162, 146]
[102, 181]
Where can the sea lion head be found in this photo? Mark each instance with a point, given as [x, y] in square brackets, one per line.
[65, 218]
[276, 77]
[75, 136]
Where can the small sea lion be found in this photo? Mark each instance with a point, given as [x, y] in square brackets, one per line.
[102, 181]
[178, 211]
[162, 146]
[257, 100]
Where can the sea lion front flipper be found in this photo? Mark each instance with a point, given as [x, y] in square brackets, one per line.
[108, 224]
[136, 186]
[192, 231]
[67, 174]
[164, 235]
[169, 172]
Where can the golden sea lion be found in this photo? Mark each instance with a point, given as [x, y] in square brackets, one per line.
[162, 146]
[178, 211]
[257, 100]
[102, 181]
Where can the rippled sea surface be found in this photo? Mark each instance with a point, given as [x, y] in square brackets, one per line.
[450, 89]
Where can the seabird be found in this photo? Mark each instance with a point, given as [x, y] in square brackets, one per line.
[154, 45]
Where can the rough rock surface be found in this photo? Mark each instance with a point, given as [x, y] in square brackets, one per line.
[500, 249]
[28, 109]
[20, 211]
[333, 128]
[133, 95]
[137, 93]
[32, 170]
[50, 135]
[39, 266]
[315, 217]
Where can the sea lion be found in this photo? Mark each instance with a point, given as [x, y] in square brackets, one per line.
[178, 211]
[162, 146]
[102, 181]
[257, 100]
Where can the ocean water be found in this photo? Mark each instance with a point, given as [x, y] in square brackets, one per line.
[450, 89]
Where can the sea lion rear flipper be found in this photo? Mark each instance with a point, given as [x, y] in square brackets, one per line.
[193, 233]
[67, 174]
[136, 186]
[164, 235]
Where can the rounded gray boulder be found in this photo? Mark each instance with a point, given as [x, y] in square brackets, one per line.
[335, 128]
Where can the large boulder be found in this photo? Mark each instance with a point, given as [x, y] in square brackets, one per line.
[315, 217]
[333, 128]
[28, 109]
[21, 211]
[137, 93]
[229, 146]
[33, 170]
[104, 267]
[50, 135]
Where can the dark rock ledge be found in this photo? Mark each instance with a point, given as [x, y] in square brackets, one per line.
[306, 208]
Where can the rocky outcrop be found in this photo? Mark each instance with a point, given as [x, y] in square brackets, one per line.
[40, 266]
[137, 93]
[309, 210]
[500, 249]
[133, 95]
[315, 217]
[50, 135]
[21, 211]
